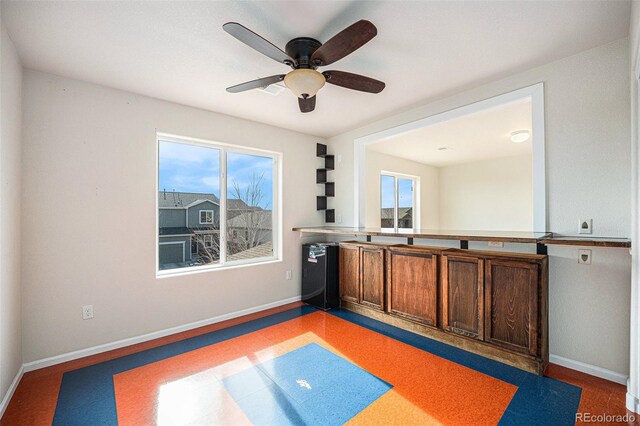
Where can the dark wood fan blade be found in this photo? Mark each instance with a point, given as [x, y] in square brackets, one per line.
[354, 81]
[254, 84]
[344, 43]
[308, 104]
[253, 40]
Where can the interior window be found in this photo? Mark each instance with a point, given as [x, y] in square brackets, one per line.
[397, 201]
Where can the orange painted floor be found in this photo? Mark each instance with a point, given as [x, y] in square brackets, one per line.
[187, 388]
[599, 396]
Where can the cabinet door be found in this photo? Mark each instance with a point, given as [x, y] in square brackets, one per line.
[412, 285]
[463, 296]
[512, 304]
[372, 277]
[349, 273]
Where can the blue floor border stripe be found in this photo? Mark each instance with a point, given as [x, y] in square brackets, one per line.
[87, 396]
[539, 400]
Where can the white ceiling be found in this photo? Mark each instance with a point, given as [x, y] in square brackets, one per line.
[475, 137]
[178, 51]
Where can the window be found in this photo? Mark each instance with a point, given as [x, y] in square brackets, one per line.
[208, 241]
[219, 200]
[206, 217]
[397, 201]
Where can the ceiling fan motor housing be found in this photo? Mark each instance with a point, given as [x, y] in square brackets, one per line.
[301, 49]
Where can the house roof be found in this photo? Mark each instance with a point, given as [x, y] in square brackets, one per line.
[183, 199]
[261, 218]
[263, 250]
[168, 199]
[235, 204]
[387, 212]
[180, 230]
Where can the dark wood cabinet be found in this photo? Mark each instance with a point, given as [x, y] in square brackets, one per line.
[463, 295]
[511, 291]
[372, 276]
[350, 273]
[412, 283]
[491, 303]
[362, 269]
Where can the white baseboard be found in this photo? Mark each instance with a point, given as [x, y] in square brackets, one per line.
[593, 370]
[58, 359]
[5, 401]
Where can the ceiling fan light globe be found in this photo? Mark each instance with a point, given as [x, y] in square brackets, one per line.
[304, 83]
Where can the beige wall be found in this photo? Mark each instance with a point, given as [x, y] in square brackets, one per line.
[588, 176]
[377, 162]
[90, 152]
[10, 196]
[493, 195]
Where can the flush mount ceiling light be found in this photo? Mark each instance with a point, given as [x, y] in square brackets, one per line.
[304, 83]
[520, 136]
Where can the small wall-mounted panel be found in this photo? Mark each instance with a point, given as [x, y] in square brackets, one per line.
[321, 202]
[330, 216]
[330, 189]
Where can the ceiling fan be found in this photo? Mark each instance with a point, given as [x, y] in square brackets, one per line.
[304, 55]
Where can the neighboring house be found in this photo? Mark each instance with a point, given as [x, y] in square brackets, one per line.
[189, 223]
[250, 229]
[405, 217]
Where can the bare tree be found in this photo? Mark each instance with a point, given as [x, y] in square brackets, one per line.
[250, 227]
[207, 244]
[247, 227]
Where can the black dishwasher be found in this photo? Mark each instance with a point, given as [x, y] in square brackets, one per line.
[320, 275]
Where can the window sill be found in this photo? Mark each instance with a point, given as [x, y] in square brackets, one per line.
[171, 273]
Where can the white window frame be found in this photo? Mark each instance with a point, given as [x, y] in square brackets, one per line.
[205, 222]
[415, 200]
[276, 202]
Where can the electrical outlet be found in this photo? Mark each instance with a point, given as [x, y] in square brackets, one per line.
[584, 257]
[87, 312]
[339, 218]
[288, 275]
[496, 244]
[585, 226]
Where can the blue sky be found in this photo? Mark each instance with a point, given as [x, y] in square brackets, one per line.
[191, 168]
[388, 192]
